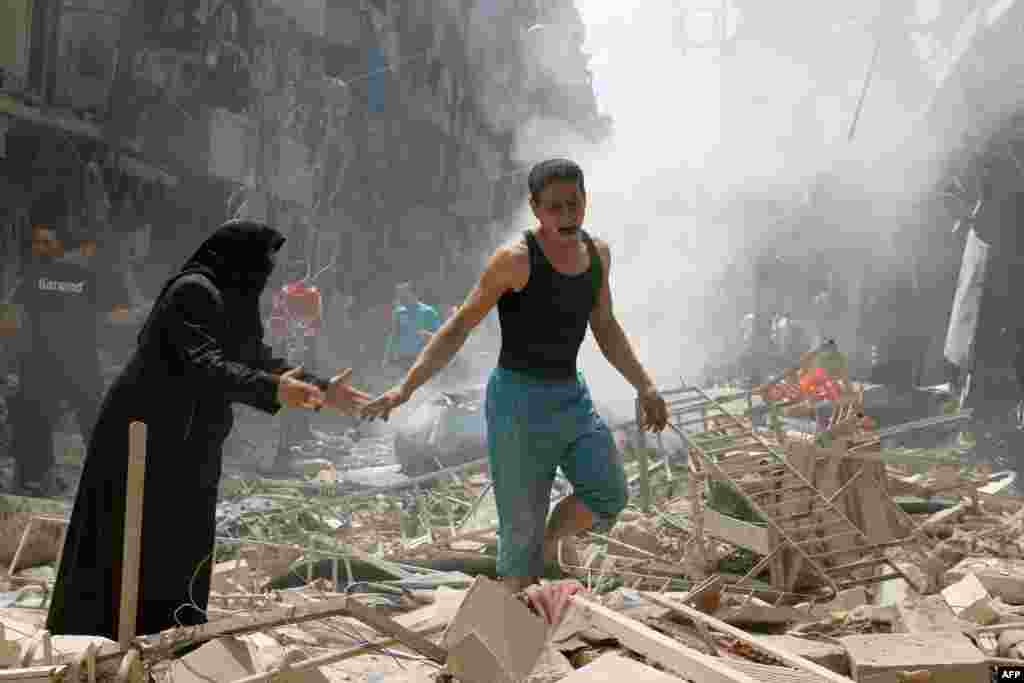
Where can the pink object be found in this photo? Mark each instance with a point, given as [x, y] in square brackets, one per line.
[278, 326]
[550, 600]
[302, 302]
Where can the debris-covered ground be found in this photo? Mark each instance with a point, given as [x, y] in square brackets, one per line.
[353, 571]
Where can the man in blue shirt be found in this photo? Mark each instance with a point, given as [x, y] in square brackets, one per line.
[413, 323]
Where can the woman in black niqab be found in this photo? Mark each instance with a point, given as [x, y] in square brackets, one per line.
[200, 350]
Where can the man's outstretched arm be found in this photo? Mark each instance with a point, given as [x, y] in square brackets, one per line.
[452, 335]
[497, 278]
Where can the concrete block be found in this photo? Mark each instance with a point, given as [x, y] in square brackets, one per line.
[928, 614]
[965, 593]
[949, 658]
[494, 638]
[1001, 578]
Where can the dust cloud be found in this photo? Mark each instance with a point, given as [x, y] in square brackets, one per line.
[695, 130]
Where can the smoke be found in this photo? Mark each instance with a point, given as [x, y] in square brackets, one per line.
[694, 131]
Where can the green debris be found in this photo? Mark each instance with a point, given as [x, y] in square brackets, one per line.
[724, 499]
[832, 361]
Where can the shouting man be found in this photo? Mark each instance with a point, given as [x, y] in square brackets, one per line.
[548, 286]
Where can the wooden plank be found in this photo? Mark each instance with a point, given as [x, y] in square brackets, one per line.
[737, 532]
[807, 466]
[13, 567]
[657, 647]
[330, 658]
[294, 614]
[132, 533]
[782, 655]
[388, 626]
[42, 674]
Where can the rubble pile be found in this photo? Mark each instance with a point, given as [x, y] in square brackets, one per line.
[397, 584]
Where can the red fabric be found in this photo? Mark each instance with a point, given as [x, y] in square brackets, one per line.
[296, 302]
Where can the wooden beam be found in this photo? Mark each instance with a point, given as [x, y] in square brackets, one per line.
[42, 674]
[657, 647]
[294, 614]
[282, 616]
[779, 653]
[388, 626]
[134, 485]
[16, 560]
[332, 658]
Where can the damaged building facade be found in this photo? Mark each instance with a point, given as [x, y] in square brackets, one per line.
[956, 69]
[378, 135]
[973, 218]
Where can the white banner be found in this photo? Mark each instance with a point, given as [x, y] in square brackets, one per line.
[963, 318]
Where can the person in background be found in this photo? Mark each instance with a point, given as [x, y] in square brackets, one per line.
[413, 324]
[298, 336]
[63, 302]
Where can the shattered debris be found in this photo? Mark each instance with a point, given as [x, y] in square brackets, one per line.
[394, 585]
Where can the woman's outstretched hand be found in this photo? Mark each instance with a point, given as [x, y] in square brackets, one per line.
[345, 398]
[294, 393]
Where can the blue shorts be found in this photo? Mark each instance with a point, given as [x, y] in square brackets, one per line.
[533, 427]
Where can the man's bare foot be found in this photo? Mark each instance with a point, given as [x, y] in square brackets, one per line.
[551, 600]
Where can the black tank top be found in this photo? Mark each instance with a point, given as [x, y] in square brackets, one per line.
[543, 325]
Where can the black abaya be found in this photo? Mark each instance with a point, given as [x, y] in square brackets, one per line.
[200, 350]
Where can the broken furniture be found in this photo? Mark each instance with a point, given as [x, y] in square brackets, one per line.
[810, 529]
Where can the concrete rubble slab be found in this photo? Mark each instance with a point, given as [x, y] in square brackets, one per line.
[929, 614]
[968, 600]
[949, 658]
[1003, 578]
[494, 638]
[964, 593]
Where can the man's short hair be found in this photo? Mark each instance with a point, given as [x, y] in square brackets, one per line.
[552, 170]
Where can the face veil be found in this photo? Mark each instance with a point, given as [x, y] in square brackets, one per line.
[238, 256]
[237, 259]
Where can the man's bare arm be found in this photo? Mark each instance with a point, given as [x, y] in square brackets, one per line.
[610, 336]
[498, 278]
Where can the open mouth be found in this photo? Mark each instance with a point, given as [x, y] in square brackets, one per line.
[571, 230]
